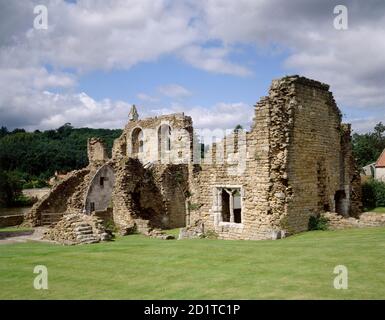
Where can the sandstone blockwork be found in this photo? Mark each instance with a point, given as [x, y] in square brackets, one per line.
[295, 162]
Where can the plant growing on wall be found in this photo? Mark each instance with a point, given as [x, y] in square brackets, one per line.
[194, 206]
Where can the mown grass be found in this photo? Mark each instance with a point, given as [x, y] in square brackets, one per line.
[378, 210]
[135, 267]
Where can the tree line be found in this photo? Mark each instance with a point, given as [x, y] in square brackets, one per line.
[29, 159]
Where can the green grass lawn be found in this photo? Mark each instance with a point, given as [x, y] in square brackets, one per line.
[135, 267]
[378, 210]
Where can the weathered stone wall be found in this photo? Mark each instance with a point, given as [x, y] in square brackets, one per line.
[155, 193]
[10, 221]
[155, 187]
[98, 197]
[96, 150]
[99, 165]
[320, 164]
[250, 173]
[128, 173]
[37, 193]
[314, 153]
[352, 177]
[298, 156]
[172, 181]
[57, 200]
[151, 150]
[136, 196]
[366, 219]
[76, 202]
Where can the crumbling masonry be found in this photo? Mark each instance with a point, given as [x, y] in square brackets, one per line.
[295, 162]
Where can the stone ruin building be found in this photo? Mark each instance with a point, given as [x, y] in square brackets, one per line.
[295, 162]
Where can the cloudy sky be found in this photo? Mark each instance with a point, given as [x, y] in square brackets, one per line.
[212, 59]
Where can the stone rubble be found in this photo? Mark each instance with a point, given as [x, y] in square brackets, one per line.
[78, 229]
[366, 219]
[195, 231]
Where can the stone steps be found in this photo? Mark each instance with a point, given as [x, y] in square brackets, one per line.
[85, 234]
[48, 219]
[84, 230]
[75, 228]
[87, 239]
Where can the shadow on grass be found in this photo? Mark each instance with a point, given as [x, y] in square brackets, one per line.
[14, 233]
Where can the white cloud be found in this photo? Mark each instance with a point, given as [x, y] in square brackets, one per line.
[213, 60]
[92, 35]
[147, 98]
[364, 124]
[222, 115]
[53, 110]
[108, 35]
[231, 114]
[352, 61]
[174, 91]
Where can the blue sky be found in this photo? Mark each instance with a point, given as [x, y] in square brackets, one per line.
[211, 59]
[206, 88]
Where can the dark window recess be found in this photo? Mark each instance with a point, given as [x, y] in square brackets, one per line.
[92, 206]
[225, 206]
[231, 205]
[340, 199]
[102, 181]
[237, 215]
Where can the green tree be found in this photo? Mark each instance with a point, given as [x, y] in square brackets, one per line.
[35, 156]
[3, 131]
[10, 188]
[368, 147]
[238, 127]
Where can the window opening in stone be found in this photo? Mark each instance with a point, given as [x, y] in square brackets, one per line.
[225, 206]
[164, 139]
[137, 141]
[231, 205]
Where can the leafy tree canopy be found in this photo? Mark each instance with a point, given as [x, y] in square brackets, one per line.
[368, 147]
[37, 155]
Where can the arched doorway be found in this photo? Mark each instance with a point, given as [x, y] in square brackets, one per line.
[341, 204]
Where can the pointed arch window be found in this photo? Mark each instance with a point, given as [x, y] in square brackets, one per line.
[137, 141]
[164, 138]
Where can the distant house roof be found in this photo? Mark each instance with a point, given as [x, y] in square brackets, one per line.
[381, 160]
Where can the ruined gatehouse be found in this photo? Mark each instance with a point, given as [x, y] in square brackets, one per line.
[295, 162]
